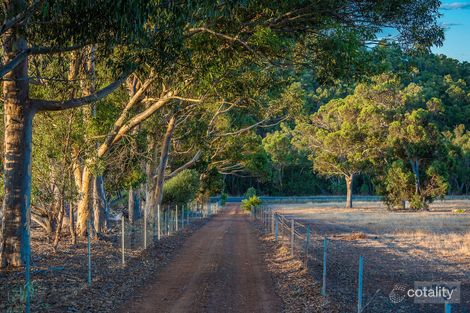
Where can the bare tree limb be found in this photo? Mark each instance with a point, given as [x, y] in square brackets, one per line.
[175, 98]
[120, 121]
[185, 166]
[136, 120]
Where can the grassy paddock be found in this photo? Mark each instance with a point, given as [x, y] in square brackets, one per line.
[399, 247]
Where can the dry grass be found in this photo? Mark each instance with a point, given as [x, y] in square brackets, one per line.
[399, 247]
[446, 245]
[355, 236]
[444, 231]
[293, 283]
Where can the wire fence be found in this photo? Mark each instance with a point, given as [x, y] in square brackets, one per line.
[127, 239]
[323, 199]
[148, 230]
[359, 278]
[136, 236]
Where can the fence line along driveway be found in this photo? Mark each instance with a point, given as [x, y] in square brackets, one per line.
[219, 269]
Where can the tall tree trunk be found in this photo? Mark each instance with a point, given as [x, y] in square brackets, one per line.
[151, 171]
[131, 205]
[83, 210]
[60, 219]
[88, 187]
[415, 168]
[165, 150]
[349, 185]
[18, 114]
[73, 234]
[103, 202]
[98, 207]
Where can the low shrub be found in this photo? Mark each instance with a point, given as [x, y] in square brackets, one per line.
[251, 203]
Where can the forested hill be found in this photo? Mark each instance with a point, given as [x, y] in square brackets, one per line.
[430, 125]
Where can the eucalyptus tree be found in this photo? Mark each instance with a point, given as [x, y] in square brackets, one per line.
[37, 28]
[339, 140]
[46, 29]
[459, 157]
[416, 140]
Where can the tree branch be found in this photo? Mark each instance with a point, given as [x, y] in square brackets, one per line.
[185, 166]
[34, 51]
[47, 105]
[19, 18]
[10, 66]
[52, 50]
[225, 37]
[120, 121]
[175, 98]
[141, 117]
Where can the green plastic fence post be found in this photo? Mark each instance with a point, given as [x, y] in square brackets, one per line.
[173, 221]
[292, 237]
[182, 217]
[176, 218]
[360, 278]
[276, 217]
[145, 228]
[448, 308]
[28, 276]
[307, 244]
[159, 231]
[89, 252]
[167, 214]
[272, 221]
[123, 239]
[323, 289]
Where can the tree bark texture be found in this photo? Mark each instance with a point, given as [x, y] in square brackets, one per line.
[349, 186]
[18, 114]
[165, 150]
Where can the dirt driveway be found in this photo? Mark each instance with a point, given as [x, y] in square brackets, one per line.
[219, 269]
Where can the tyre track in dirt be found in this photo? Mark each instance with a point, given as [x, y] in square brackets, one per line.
[219, 269]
